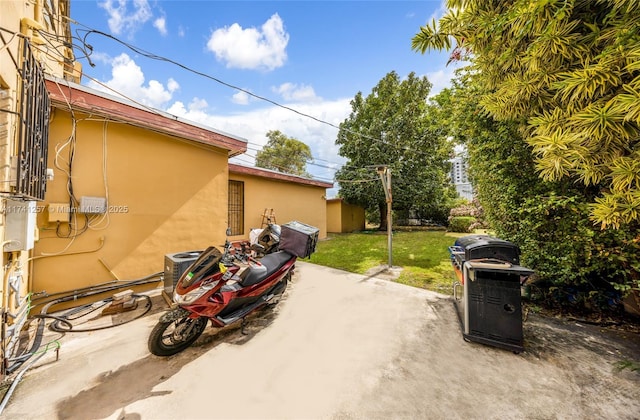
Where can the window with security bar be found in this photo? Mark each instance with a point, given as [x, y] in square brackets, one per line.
[33, 129]
[236, 207]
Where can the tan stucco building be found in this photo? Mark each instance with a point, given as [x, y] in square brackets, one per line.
[343, 217]
[166, 183]
[132, 184]
[97, 188]
[129, 185]
[289, 197]
[34, 40]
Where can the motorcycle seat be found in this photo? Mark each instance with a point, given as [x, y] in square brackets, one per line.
[272, 262]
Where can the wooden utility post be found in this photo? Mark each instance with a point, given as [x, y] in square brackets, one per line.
[385, 177]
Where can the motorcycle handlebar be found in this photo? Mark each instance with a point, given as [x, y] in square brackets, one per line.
[233, 253]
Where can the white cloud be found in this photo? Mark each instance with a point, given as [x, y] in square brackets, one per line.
[100, 57]
[122, 19]
[198, 104]
[177, 108]
[127, 78]
[161, 25]
[251, 48]
[439, 12]
[293, 92]
[172, 85]
[196, 110]
[241, 98]
[441, 78]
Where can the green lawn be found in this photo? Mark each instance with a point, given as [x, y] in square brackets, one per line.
[423, 255]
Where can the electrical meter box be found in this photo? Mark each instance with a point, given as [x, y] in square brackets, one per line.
[20, 228]
[93, 205]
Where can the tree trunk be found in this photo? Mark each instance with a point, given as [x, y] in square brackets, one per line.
[382, 207]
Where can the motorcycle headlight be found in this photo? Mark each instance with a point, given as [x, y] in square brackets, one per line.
[193, 295]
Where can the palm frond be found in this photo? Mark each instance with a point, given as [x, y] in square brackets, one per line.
[430, 38]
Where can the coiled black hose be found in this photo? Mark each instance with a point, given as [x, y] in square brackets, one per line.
[64, 320]
[67, 296]
[16, 362]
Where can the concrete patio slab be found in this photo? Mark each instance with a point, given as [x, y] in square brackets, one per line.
[338, 346]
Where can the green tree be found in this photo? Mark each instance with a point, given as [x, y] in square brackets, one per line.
[392, 127]
[501, 164]
[576, 262]
[569, 72]
[284, 154]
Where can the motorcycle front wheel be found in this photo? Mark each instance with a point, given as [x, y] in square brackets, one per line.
[171, 337]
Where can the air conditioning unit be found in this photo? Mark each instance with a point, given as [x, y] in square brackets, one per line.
[176, 264]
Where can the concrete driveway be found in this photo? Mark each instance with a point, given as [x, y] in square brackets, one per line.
[338, 346]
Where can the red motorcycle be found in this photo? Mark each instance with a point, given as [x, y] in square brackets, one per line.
[221, 287]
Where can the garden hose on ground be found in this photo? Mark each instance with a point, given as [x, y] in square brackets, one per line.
[93, 290]
[58, 320]
[15, 362]
[16, 380]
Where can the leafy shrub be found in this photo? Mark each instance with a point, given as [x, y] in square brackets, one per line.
[467, 212]
[576, 262]
[461, 224]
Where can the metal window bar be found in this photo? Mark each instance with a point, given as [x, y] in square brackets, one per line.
[236, 207]
[33, 133]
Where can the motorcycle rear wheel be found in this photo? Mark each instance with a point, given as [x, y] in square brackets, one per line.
[171, 337]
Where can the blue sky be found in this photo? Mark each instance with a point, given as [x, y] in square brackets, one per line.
[312, 56]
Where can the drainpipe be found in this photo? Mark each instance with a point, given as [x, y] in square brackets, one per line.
[37, 11]
[5, 309]
[5, 283]
[26, 28]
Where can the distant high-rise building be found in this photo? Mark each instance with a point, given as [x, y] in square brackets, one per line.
[459, 175]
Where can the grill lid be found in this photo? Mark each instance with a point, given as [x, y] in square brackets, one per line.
[485, 247]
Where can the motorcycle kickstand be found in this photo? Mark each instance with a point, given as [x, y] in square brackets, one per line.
[242, 326]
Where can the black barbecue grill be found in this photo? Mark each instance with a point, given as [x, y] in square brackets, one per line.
[486, 290]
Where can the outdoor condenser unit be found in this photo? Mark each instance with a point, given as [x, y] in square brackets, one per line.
[176, 264]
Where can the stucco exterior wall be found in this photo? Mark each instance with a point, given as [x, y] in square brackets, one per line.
[12, 12]
[290, 201]
[164, 196]
[18, 19]
[22, 17]
[334, 216]
[353, 218]
[344, 217]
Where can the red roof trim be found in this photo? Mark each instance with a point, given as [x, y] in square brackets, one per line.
[279, 176]
[64, 94]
